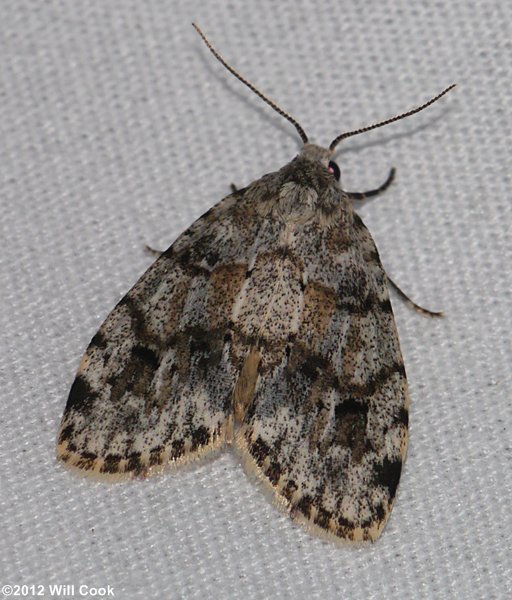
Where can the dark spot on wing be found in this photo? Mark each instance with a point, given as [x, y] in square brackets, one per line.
[111, 463]
[403, 416]
[380, 512]
[155, 455]
[99, 340]
[66, 433]
[259, 450]
[199, 437]
[178, 448]
[80, 396]
[304, 505]
[351, 420]
[273, 472]
[146, 355]
[134, 463]
[387, 474]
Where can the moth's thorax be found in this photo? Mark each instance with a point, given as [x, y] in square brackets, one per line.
[308, 192]
[303, 191]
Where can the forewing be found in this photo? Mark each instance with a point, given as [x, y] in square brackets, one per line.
[156, 382]
[325, 422]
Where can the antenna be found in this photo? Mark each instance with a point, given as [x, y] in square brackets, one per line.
[271, 103]
[343, 136]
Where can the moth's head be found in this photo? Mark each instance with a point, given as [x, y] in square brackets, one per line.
[317, 154]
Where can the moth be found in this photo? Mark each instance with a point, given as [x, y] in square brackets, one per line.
[266, 325]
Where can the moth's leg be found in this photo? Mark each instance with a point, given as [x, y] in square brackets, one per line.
[152, 251]
[233, 188]
[370, 193]
[404, 296]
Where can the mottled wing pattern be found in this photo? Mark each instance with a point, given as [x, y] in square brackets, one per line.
[326, 404]
[156, 382]
[270, 314]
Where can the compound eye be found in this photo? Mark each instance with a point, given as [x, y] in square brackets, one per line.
[334, 169]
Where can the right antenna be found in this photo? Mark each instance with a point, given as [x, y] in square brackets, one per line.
[343, 136]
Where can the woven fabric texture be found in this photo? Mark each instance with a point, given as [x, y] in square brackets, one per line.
[118, 128]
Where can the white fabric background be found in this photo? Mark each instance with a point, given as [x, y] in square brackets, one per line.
[117, 128]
